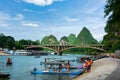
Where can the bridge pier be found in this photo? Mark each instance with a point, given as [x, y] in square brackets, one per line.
[60, 53]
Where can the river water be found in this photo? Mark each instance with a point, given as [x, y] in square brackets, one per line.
[23, 65]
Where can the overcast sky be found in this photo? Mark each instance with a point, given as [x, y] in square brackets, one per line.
[34, 19]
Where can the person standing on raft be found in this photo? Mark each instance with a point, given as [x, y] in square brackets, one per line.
[88, 64]
[68, 66]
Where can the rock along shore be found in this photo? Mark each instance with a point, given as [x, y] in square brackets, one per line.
[102, 69]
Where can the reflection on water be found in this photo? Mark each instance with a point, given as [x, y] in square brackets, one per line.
[23, 65]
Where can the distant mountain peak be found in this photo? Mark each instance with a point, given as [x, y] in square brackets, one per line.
[85, 37]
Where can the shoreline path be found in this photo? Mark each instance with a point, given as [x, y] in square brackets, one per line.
[102, 69]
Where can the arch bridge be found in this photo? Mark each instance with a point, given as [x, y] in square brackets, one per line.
[60, 48]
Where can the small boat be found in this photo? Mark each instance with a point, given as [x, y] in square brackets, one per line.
[9, 61]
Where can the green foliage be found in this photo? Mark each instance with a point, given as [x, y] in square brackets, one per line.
[49, 40]
[6, 41]
[116, 45]
[85, 37]
[72, 39]
[20, 44]
[112, 28]
[64, 40]
[82, 51]
[28, 42]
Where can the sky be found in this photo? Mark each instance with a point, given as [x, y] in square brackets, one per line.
[34, 19]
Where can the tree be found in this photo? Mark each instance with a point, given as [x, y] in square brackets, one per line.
[6, 41]
[112, 28]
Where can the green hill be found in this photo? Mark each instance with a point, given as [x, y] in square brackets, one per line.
[72, 39]
[85, 37]
[64, 41]
[49, 40]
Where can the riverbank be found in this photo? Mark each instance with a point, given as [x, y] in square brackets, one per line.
[102, 69]
[3, 53]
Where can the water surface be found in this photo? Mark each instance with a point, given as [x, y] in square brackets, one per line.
[23, 65]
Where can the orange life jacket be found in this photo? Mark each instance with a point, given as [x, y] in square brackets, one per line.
[85, 64]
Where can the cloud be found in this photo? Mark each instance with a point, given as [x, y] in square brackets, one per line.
[60, 31]
[99, 36]
[52, 10]
[93, 7]
[28, 10]
[4, 24]
[19, 17]
[29, 24]
[71, 19]
[5, 16]
[41, 2]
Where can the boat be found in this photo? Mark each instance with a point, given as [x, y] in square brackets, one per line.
[63, 72]
[9, 61]
[58, 61]
[23, 52]
[58, 67]
[50, 61]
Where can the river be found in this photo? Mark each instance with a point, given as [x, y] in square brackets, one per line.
[23, 65]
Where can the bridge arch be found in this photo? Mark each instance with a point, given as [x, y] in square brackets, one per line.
[83, 47]
[60, 48]
[43, 47]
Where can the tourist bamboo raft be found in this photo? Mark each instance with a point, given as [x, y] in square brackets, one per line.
[63, 72]
[54, 68]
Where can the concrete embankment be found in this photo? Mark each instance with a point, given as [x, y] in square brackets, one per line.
[102, 69]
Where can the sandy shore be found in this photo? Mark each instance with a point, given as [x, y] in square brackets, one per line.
[101, 69]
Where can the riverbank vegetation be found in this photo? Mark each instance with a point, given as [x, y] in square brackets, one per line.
[112, 28]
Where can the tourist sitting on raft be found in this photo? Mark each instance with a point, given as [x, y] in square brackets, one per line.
[87, 64]
[64, 69]
[68, 67]
[60, 67]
